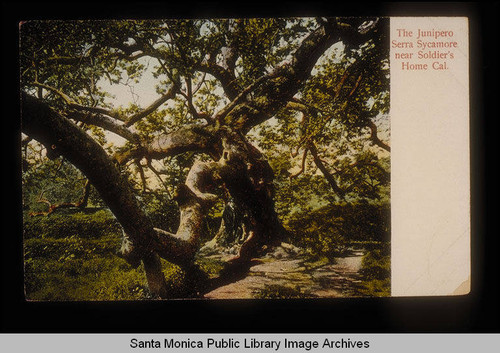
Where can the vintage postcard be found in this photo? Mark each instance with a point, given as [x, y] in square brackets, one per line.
[245, 158]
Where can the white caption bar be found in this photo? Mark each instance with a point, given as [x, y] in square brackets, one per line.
[182, 343]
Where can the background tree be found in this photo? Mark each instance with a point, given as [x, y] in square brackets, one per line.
[268, 116]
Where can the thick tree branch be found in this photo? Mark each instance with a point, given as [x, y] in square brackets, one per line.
[99, 110]
[224, 73]
[226, 78]
[43, 124]
[130, 57]
[106, 123]
[100, 116]
[201, 138]
[356, 85]
[237, 100]
[141, 174]
[298, 105]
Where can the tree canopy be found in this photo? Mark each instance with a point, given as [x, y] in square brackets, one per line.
[274, 116]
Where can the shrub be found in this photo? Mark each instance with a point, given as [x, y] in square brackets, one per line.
[376, 273]
[375, 265]
[67, 224]
[328, 230]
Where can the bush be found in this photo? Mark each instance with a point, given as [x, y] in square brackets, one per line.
[318, 232]
[364, 222]
[67, 224]
[375, 265]
[329, 230]
[376, 272]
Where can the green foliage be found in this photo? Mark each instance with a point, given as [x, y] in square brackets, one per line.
[376, 263]
[73, 278]
[319, 235]
[376, 288]
[67, 261]
[365, 222]
[55, 181]
[330, 229]
[66, 225]
[212, 267]
[376, 272]
[73, 257]
[348, 87]
[162, 210]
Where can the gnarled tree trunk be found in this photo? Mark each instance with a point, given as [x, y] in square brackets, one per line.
[238, 168]
[247, 177]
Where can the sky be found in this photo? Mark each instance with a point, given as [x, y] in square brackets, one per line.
[142, 93]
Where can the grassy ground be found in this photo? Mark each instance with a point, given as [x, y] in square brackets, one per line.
[78, 269]
[73, 268]
[72, 257]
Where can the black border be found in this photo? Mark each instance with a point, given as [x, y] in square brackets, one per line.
[477, 312]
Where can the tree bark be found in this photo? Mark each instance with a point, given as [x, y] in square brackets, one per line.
[247, 176]
[62, 137]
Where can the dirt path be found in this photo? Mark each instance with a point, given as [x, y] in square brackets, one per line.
[287, 272]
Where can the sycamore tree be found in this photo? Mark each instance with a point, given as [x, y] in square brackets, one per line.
[254, 116]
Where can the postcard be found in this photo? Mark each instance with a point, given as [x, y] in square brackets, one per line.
[245, 158]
